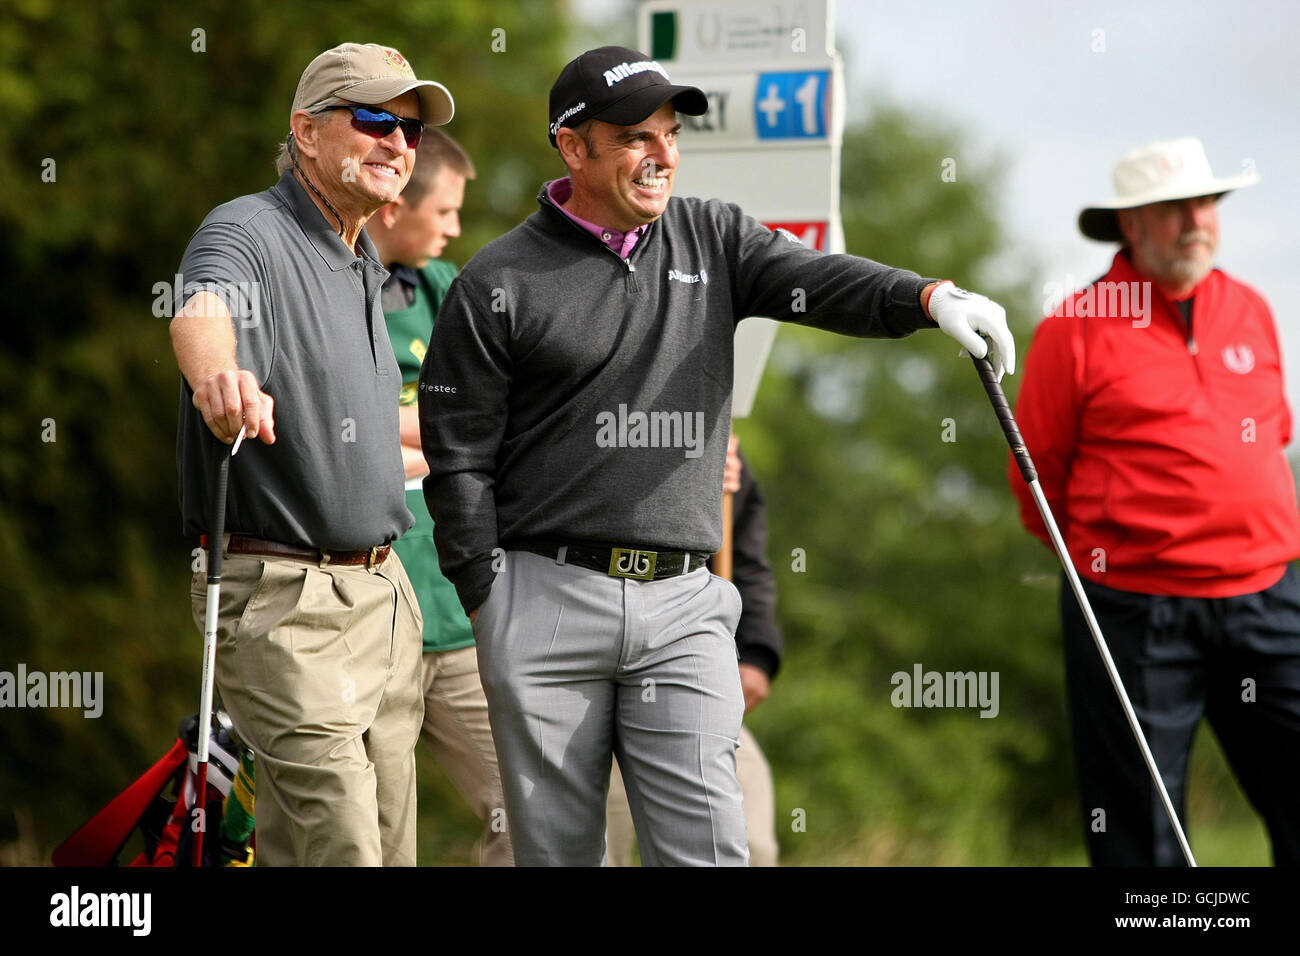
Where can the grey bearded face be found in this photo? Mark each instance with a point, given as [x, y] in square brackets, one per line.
[1187, 263]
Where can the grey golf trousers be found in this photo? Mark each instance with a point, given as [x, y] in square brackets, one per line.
[576, 666]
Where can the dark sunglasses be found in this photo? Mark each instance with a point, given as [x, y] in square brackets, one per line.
[379, 123]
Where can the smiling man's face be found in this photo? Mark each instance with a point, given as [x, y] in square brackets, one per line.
[367, 171]
[628, 180]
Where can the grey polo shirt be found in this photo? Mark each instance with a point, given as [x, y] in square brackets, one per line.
[309, 324]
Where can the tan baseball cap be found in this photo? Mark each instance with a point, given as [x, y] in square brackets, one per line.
[369, 73]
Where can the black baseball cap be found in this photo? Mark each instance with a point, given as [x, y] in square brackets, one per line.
[619, 86]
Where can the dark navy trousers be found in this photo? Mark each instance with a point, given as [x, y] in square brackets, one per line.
[1234, 660]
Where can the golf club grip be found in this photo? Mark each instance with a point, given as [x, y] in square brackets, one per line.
[1003, 411]
[218, 525]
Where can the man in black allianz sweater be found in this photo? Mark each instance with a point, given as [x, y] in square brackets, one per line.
[574, 412]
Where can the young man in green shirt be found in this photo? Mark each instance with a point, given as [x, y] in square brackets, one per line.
[410, 234]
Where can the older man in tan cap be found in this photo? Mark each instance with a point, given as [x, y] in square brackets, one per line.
[279, 330]
[1153, 405]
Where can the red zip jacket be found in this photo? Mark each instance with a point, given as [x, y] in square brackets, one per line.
[1160, 452]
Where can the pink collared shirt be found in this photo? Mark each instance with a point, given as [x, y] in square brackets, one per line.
[621, 242]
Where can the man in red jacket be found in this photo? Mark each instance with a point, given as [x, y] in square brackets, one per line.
[1153, 406]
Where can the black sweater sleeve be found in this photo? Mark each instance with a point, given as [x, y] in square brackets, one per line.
[461, 426]
[776, 276]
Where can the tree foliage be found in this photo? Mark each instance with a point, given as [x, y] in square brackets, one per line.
[913, 552]
[150, 125]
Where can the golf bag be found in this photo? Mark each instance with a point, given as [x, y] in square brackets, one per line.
[158, 810]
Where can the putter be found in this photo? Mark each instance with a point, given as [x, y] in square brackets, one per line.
[1030, 474]
[215, 536]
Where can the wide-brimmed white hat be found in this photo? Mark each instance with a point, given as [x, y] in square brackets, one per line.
[1174, 169]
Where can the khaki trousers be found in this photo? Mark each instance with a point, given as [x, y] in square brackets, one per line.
[755, 778]
[456, 727]
[318, 666]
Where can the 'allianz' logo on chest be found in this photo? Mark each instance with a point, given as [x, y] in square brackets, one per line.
[688, 277]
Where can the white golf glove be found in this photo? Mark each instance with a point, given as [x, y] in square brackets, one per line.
[967, 317]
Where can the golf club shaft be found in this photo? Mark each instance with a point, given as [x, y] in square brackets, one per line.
[210, 618]
[1030, 474]
[213, 608]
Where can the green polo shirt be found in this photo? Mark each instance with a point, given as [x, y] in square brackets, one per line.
[446, 628]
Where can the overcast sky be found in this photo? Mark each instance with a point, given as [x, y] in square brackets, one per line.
[1021, 77]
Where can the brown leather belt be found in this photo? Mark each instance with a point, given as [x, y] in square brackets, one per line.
[246, 544]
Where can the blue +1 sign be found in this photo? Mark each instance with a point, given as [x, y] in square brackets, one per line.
[792, 105]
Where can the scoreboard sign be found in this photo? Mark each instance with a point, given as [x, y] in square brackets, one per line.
[770, 141]
[792, 105]
[750, 108]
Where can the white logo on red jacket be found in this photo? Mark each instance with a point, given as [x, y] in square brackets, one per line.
[1238, 358]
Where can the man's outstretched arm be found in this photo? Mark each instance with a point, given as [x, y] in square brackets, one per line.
[203, 339]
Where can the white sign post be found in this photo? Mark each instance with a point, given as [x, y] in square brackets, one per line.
[770, 141]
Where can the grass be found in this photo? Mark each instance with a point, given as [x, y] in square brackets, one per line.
[1224, 829]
